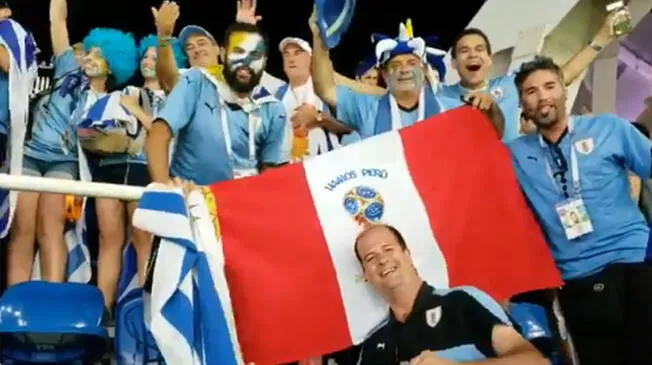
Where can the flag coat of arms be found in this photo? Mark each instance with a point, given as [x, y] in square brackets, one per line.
[287, 235]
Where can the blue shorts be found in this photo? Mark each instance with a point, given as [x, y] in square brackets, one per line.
[66, 170]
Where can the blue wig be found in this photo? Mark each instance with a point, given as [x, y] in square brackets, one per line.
[151, 41]
[118, 49]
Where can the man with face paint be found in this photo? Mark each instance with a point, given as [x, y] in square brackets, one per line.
[52, 149]
[471, 58]
[201, 48]
[427, 325]
[410, 98]
[579, 165]
[225, 130]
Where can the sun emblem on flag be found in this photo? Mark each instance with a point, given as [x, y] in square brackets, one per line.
[364, 204]
[209, 199]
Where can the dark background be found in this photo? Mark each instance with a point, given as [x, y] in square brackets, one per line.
[281, 18]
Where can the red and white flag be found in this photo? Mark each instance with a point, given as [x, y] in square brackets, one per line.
[446, 184]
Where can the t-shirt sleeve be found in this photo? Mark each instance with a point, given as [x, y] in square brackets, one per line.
[65, 63]
[635, 147]
[356, 110]
[180, 104]
[483, 313]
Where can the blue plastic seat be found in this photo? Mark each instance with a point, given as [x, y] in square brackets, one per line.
[48, 323]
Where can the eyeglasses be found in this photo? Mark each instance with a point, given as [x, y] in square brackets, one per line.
[562, 168]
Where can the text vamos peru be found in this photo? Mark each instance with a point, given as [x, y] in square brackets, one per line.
[354, 174]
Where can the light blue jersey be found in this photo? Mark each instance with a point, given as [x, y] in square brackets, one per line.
[370, 115]
[193, 113]
[504, 92]
[607, 147]
[4, 104]
[53, 133]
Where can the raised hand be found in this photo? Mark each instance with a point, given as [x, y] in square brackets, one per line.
[246, 12]
[312, 21]
[165, 18]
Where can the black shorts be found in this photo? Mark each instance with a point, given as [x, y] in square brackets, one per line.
[135, 174]
[609, 315]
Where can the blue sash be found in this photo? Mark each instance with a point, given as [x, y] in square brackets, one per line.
[384, 114]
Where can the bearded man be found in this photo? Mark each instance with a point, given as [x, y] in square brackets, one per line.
[223, 129]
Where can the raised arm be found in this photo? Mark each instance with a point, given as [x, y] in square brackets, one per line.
[323, 76]
[166, 66]
[59, 27]
[358, 87]
[582, 59]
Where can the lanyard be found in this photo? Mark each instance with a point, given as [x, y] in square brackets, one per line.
[251, 129]
[574, 166]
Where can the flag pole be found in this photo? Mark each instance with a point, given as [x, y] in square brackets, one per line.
[71, 187]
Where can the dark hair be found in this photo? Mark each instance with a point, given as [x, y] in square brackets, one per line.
[537, 64]
[641, 128]
[247, 28]
[4, 4]
[470, 31]
[392, 230]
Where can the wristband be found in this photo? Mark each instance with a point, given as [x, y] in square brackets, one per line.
[165, 41]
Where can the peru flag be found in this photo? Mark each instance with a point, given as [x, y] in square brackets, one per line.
[280, 263]
[446, 184]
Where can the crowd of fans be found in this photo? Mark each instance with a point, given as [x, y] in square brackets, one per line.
[207, 112]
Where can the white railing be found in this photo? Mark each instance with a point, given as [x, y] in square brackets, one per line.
[80, 188]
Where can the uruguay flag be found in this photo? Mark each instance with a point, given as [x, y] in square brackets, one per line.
[190, 311]
[22, 73]
[108, 128]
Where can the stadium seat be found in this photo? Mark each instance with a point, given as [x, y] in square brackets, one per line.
[52, 323]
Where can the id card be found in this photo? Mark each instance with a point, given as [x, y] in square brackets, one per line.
[242, 173]
[574, 218]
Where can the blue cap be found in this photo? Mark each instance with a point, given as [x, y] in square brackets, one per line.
[333, 19]
[365, 65]
[190, 30]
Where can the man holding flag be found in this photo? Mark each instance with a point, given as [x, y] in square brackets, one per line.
[412, 85]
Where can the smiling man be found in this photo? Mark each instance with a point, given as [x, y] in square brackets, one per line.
[471, 58]
[224, 130]
[410, 97]
[430, 326]
[574, 171]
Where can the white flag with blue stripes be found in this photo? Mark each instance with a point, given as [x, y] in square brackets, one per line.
[108, 128]
[128, 280]
[23, 69]
[189, 308]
